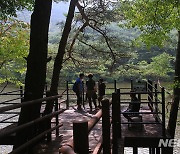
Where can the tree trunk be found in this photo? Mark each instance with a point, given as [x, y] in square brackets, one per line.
[36, 64]
[174, 107]
[61, 51]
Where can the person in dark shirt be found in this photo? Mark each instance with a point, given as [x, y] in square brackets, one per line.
[91, 91]
[134, 106]
[101, 91]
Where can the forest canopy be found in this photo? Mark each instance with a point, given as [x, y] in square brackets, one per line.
[93, 50]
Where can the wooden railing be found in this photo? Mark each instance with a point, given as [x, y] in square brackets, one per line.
[46, 119]
[79, 143]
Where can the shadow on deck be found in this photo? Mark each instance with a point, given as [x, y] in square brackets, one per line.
[141, 135]
[66, 131]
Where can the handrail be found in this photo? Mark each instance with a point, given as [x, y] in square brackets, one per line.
[140, 112]
[10, 100]
[2, 121]
[141, 123]
[10, 92]
[68, 147]
[32, 141]
[91, 123]
[152, 86]
[7, 132]
[11, 107]
[149, 83]
[98, 147]
[153, 105]
[138, 92]
[128, 102]
[18, 128]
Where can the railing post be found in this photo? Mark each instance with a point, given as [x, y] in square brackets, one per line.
[131, 84]
[115, 122]
[106, 126]
[156, 101]
[119, 112]
[57, 117]
[115, 86]
[80, 137]
[163, 111]
[46, 88]
[83, 96]
[157, 150]
[150, 89]
[21, 93]
[135, 150]
[67, 94]
[48, 109]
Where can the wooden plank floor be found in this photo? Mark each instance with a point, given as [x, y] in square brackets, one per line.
[148, 136]
[67, 118]
[149, 130]
[66, 132]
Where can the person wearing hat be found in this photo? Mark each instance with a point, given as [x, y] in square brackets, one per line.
[91, 91]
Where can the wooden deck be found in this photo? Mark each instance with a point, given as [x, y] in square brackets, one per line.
[66, 132]
[135, 137]
[149, 134]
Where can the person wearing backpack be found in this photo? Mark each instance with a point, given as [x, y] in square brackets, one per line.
[78, 89]
[91, 91]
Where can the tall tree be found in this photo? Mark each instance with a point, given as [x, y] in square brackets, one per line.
[36, 64]
[61, 51]
[156, 19]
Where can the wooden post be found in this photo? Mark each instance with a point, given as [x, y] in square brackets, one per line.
[21, 93]
[57, 117]
[46, 87]
[153, 150]
[83, 96]
[131, 84]
[106, 126]
[139, 97]
[115, 122]
[80, 137]
[163, 111]
[135, 150]
[150, 89]
[119, 107]
[150, 151]
[48, 109]
[67, 95]
[157, 150]
[156, 100]
[115, 86]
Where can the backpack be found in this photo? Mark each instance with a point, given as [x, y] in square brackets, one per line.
[75, 86]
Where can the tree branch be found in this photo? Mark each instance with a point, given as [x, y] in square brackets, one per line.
[98, 30]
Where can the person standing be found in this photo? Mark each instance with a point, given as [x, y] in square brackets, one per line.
[78, 89]
[101, 91]
[91, 91]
